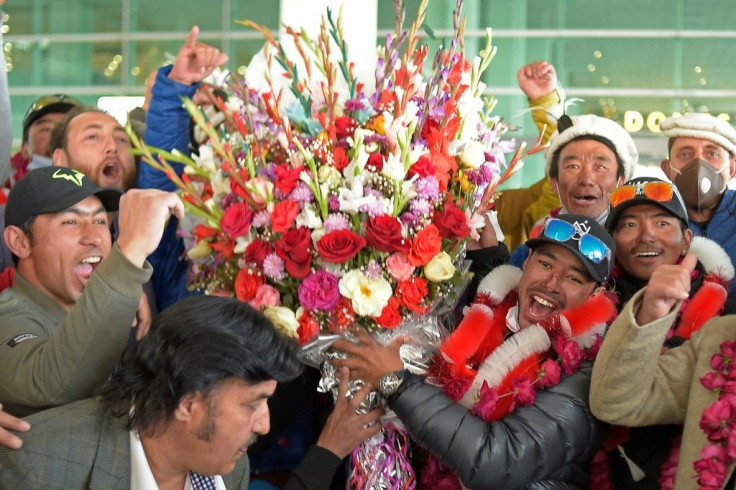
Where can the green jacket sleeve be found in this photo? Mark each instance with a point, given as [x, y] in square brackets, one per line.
[632, 383]
[68, 363]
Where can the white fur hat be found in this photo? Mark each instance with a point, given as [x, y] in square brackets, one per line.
[701, 126]
[602, 128]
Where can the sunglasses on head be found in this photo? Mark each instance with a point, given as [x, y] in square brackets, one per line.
[590, 246]
[656, 191]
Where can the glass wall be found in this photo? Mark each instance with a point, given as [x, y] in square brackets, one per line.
[632, 61]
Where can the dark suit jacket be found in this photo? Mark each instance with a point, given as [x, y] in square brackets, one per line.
[78, 446]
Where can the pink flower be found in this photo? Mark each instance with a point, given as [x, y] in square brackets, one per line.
[731, 445]
[456, 388]
[488, 398]
[266, 296]
[399, 266]
[319, 291]
[728, 349]
[718, 363]
[714, 420]
[571, 354]
[550, 374]
[713, 381]
[524, 393]
[711, 468]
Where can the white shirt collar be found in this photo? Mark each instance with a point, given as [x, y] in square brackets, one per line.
[512, 318]
[141, 477]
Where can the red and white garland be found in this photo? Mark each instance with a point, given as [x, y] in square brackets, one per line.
[490, 370]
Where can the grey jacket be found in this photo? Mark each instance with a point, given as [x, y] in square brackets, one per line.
[78, 446]
[546, 445]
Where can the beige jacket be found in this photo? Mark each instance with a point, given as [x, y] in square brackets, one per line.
[634, 385]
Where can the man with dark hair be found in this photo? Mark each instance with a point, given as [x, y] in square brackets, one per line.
[512, 328]
[90, 140]
[178, 411]
[42, 115]
[67, 318]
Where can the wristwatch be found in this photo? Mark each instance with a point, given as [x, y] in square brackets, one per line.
[390, 382]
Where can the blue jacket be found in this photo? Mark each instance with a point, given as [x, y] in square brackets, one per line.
[722, 229]
[167, 127]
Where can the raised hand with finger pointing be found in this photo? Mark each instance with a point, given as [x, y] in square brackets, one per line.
[196, 60]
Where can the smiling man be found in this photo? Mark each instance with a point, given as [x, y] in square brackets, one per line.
[517, 315]
[178, 411]
[93, 142]
[68, 316]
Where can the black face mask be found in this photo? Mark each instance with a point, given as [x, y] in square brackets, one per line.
[700, 183]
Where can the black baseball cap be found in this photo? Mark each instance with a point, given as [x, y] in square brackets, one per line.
[52, 189]
[56, 103]
[645, 190]
[585, 238]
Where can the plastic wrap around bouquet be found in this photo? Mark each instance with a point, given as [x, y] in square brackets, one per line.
[344, 209]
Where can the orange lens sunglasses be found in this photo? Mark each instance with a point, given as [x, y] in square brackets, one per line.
[656, 191]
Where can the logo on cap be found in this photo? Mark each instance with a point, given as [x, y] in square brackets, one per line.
[75, 176]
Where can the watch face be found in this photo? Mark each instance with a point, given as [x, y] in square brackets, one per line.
[389, 383]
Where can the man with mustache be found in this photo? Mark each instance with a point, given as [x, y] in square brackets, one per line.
[516, 321]
[180, 410]
[701, 161]
[67, 318]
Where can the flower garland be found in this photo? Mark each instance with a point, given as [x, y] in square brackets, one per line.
[719, 419]
[491, 372]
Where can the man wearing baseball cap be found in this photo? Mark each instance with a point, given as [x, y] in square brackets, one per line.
[68, 315]
[41, 117]
[649, 223]
[701, 161]
[512, 328]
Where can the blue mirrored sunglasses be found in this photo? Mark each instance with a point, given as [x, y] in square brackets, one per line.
[590, 246]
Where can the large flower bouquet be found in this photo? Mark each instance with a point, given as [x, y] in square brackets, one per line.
[344, 208]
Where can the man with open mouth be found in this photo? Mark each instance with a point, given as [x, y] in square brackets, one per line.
[475, 424]
[67, 318]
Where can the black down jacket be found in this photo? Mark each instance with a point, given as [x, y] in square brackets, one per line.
[547, 445]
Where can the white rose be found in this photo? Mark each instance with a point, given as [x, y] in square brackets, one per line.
[283, 319]
[368, 296]
[440, 268]
[473, 154]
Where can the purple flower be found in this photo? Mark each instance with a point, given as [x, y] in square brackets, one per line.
[319, 291]
[335, 222]
[301, 193]
[333, 202]
[353, 105]
[273, 267]
[373, 270]
[428, 188]
[420, 206]
[261, 218]
[409, 219]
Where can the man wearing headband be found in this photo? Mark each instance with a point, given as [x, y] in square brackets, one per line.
[40, 119]
[648, 220]
[519, 319]
[68, 315]
[701, 161]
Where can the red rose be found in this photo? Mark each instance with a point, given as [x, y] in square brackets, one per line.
[425, 246]
[428, 127]
[283, 215]
[375, 162]
[257, 251]
[345, 127]
[423, 168]
[340, 246]
[451, 223]
[339, 158]
[247, 284]
[236, 219]
[286, 177]
[384, 234]
[308, 328]
[390, 317]
[411, 294]
[295, 248]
